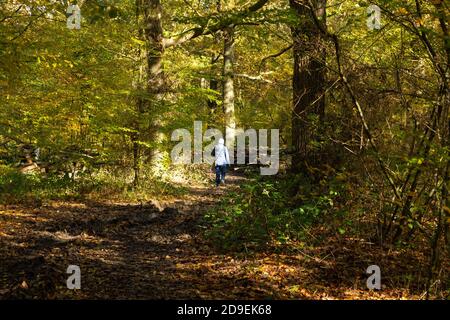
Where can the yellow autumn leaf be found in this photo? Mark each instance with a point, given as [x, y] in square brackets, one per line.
[24, 285]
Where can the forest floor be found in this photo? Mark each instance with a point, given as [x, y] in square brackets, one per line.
[157, 250]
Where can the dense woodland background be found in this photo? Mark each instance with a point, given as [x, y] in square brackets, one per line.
[363, 116]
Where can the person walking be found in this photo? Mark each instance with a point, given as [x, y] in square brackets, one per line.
[222, 161]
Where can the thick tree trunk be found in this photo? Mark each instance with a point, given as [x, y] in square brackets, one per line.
[155, 83]
[308, 81]
[155, 50]
[151, 81]
[228, 87]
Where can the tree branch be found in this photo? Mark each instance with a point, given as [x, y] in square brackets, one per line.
[258, 77]
[206, 30]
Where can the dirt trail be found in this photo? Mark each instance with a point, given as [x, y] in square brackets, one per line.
[124, 251]
[157, 251]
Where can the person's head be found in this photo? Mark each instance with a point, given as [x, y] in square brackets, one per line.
[221, 141]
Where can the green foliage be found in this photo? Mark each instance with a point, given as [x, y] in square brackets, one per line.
[16, 187]
[13, 182]
[105, 184]
[262, 213]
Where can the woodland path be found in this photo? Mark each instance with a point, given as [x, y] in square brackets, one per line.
[125, 251]
[158, 251]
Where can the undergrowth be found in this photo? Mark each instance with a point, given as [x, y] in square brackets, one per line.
[266, 211]
[107, 184]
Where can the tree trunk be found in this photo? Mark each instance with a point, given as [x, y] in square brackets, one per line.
[228, 87]
[152, 76]
[136, 158]
[308, 81]
[155, 50]
[156, 80]
[213, 85]
[139, 86]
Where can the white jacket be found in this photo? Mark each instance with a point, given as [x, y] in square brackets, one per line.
[222, 155]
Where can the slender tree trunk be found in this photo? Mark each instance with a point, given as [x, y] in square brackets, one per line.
[139, 86]
[213, 81]
[136, 158]
[228, 87]
[213, 85]
[308, 80]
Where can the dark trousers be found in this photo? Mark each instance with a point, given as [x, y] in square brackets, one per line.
[220, 173]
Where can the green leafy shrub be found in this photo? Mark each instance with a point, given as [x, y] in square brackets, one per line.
[14, 183]
[262, 212]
